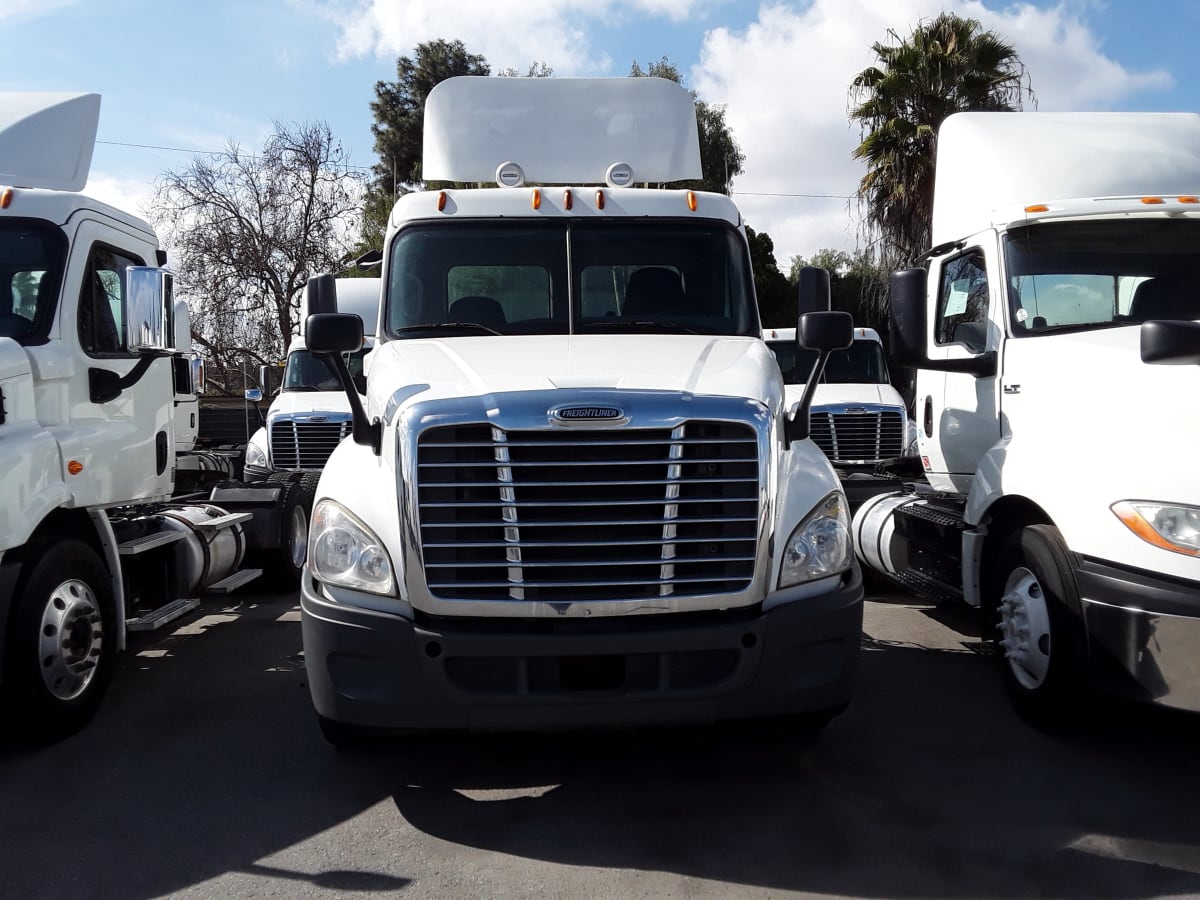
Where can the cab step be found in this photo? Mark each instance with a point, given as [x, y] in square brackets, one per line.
[232, 582]
[168, 612]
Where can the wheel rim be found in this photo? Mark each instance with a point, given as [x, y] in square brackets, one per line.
[71, 639]
[298, 529]
[1025, 628]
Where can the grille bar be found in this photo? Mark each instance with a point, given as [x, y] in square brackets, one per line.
[304, 445]
[506, 515]
[858, 437]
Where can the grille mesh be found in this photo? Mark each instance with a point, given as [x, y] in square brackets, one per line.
[858, 437]
[305, 445]
[604, 515]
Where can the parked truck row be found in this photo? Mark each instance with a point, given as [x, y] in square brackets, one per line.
[546, 471]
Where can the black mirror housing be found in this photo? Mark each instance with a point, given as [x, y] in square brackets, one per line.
[829, 330]
[1174, 343]
[333, 333]
[812, 291]
[907, 289]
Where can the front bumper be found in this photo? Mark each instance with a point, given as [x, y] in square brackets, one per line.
[1143, 634]
[383, 671]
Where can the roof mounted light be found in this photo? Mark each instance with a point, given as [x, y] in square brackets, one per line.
[536, 199]
[568, 199]
[509, 174]
[6, 198]
[441, 201]
[1037, 207]
[691, 200]
[619, 174]
[599, 199]
[1152, 201]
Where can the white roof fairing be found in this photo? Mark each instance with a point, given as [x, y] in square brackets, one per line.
[46, 140]
[560, 130]
[989, 161]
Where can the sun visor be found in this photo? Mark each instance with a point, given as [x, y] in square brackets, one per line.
[514, 131]
[46, 140]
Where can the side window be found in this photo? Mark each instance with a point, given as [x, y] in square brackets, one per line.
[963, 303]
[102, 302]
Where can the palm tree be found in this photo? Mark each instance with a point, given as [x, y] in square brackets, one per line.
[949, 64]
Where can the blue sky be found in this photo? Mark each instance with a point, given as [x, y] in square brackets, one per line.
[195, 75]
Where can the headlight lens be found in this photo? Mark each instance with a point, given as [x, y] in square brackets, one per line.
[1171, 527]
[343, 551]
[256, 456]
[820, 545]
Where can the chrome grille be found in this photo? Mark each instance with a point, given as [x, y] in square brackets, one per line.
[589, 514]
[304, 445]
[865, 437]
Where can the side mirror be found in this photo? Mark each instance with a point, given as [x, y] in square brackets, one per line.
[266, 378]
[254, 395]
[907, 290]
[812, 291]
[824, 332]
[334, 333]
[1170, 343]
[149, 309]
[321, 294]
[370, 260]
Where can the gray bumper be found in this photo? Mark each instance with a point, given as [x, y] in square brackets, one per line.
[1143, 634]
[383, 671]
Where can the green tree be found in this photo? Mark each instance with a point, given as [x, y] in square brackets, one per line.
[854, 280]
[721, 159]
[776, 297]
[948, 64]
[399, 110]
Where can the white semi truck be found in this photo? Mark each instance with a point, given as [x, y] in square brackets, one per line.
[573, 496]
[1059, 365]
[309, 413]
[97, 385]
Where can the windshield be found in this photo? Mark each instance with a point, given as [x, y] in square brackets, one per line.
[860, 363]
[622, 275]
[307, 371]
[31, 260]
[1082, 275]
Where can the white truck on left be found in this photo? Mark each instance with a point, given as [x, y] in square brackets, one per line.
[94, 359]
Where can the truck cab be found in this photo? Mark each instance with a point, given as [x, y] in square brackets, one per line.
[573, 495]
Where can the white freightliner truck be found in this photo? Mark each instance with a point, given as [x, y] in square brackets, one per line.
[1059, 365]
[96, 412]
[572, 496]
[310, 414]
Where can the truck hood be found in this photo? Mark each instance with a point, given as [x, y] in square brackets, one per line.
[288, 404]
[828, 395]
[478, 366]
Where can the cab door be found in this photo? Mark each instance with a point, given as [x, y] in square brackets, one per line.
[117, 445]
[957, 412]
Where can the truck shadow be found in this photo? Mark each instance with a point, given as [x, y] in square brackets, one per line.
[205, 768]
[904, 796]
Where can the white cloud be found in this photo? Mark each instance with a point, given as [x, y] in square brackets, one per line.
[131, 195]
[30, 9]
[785, 79]
[506, 34]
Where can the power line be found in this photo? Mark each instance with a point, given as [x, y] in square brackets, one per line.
[201, 152]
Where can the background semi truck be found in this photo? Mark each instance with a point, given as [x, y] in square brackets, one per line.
[1054, 331]
[97, 411]
[309, 414]
[573, 495]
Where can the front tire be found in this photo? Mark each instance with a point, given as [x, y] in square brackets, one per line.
[287, 563]
[1041, 630]
[61, 645]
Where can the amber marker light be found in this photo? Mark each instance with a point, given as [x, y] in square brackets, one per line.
[599, 199]
[691, 195]
[1189, 199]
[74, 467]
[441, 201]
[568, 200]
[536, 199]
[1152, 201]
[1037, 207]
[6, 198]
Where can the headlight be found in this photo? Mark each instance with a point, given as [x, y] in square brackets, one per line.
[820, 545]
[344, 551]
[1174, 528]
[256, 456]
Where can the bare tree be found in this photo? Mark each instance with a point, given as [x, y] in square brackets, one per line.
[246, 232]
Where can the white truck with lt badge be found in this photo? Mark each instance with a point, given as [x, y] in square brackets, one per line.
[573, 497]
[1058, 354]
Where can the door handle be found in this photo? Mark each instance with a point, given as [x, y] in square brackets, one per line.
[929, 417]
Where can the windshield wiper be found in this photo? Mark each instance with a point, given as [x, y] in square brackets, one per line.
[618, 325]
[447, 326]
[302, 387]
